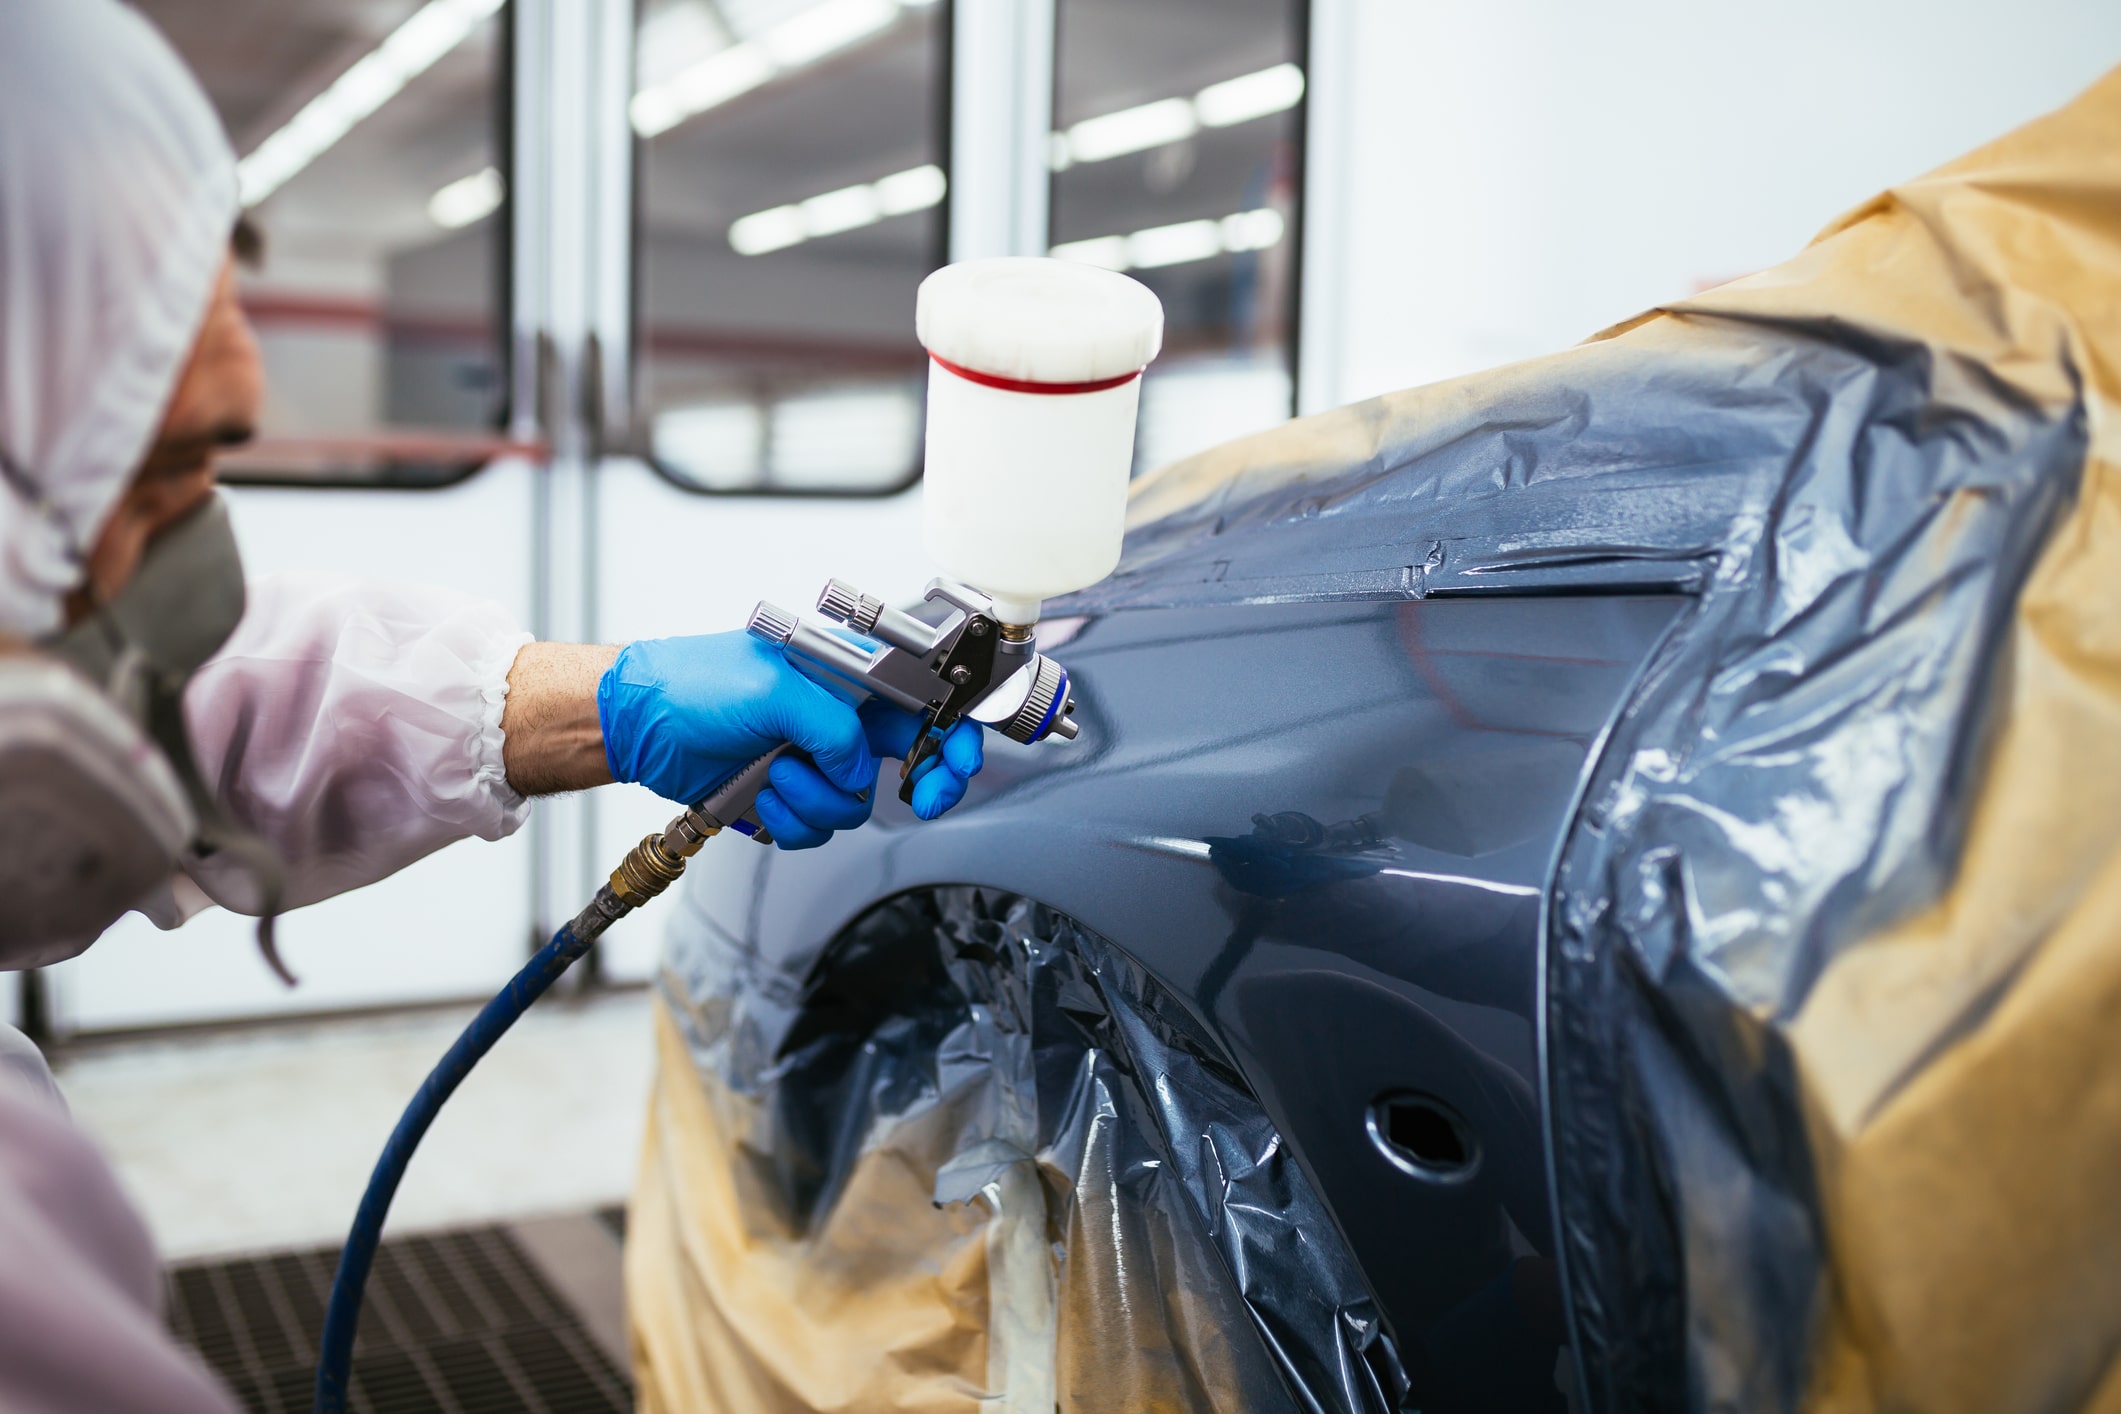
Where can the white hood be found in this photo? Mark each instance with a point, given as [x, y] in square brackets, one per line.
[117, 195]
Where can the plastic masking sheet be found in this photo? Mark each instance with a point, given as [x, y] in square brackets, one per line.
[979, 1161]
[1833, 950]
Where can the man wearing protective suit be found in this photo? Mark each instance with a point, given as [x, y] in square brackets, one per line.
[170, 737]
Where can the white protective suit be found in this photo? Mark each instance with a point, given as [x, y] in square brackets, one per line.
[354, 727]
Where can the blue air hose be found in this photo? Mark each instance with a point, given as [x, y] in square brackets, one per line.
[487, 1027]
[648, 868]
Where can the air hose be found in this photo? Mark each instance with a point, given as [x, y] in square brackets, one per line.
[648, 869]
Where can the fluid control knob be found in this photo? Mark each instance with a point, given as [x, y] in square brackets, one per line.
[772, 623]
[841, 601]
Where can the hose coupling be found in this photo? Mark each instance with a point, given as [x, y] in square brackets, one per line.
[645, 872]
[655, 863]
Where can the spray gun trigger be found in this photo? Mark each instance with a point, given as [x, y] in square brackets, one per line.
[921, 757]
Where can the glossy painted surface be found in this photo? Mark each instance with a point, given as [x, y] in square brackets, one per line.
[1328, 827]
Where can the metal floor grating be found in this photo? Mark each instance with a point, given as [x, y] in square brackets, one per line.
[456, 1322]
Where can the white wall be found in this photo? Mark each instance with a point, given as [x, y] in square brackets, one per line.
[1526, 172]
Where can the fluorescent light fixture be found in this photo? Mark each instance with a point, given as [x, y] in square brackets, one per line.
[814, 33]
[838, 211]
[1169, 120]
[1251, 230]
[915, 189]
[467, 199]
[675, 38]
[826, 29]
[1249, 96]
[374, 79]
[709, 83]
[1174, 245]
[1179, 243]
[765, 231]
[1131, 130]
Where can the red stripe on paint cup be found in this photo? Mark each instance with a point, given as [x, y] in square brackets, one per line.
[1019, 385]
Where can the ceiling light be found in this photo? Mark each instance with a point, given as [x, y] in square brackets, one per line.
[374, 79]
[802, 39]
[709, 83]
[1174, 245]
[674, 38]
[826, 29]
[1169, 120]
[1251, 230]
[765, 231]
[467, 199]
[1179, 243]
[915, 189]
[837, 211]
[1249, 96]
[1131, 130]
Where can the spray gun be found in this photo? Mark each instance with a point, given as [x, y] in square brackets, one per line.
[1031, 406]
[969, 665]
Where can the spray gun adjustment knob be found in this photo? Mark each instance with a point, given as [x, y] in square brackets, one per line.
[772, 623]
[845, 604]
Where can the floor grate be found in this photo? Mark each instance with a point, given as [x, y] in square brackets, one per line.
[455, 1322]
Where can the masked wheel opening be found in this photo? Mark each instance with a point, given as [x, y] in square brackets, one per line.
[966, 1071]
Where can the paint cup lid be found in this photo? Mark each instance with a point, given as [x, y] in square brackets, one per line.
[1038, 320]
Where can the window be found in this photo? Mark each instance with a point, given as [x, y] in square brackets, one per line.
[1175, 155]
[791, 197]
[368, 162]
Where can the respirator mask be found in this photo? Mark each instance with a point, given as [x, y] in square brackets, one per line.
[101, 800]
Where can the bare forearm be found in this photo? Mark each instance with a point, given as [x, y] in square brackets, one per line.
[551, 738]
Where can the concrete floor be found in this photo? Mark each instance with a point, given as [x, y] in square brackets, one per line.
[256, 1138]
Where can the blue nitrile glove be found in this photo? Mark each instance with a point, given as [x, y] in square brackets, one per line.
[682, 715]
[942, 778]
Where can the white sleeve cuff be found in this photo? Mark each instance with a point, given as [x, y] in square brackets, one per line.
[489, 768]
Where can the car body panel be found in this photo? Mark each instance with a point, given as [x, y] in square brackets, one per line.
[1411, 765]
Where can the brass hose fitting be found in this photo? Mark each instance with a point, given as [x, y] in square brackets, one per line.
[655, 863]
